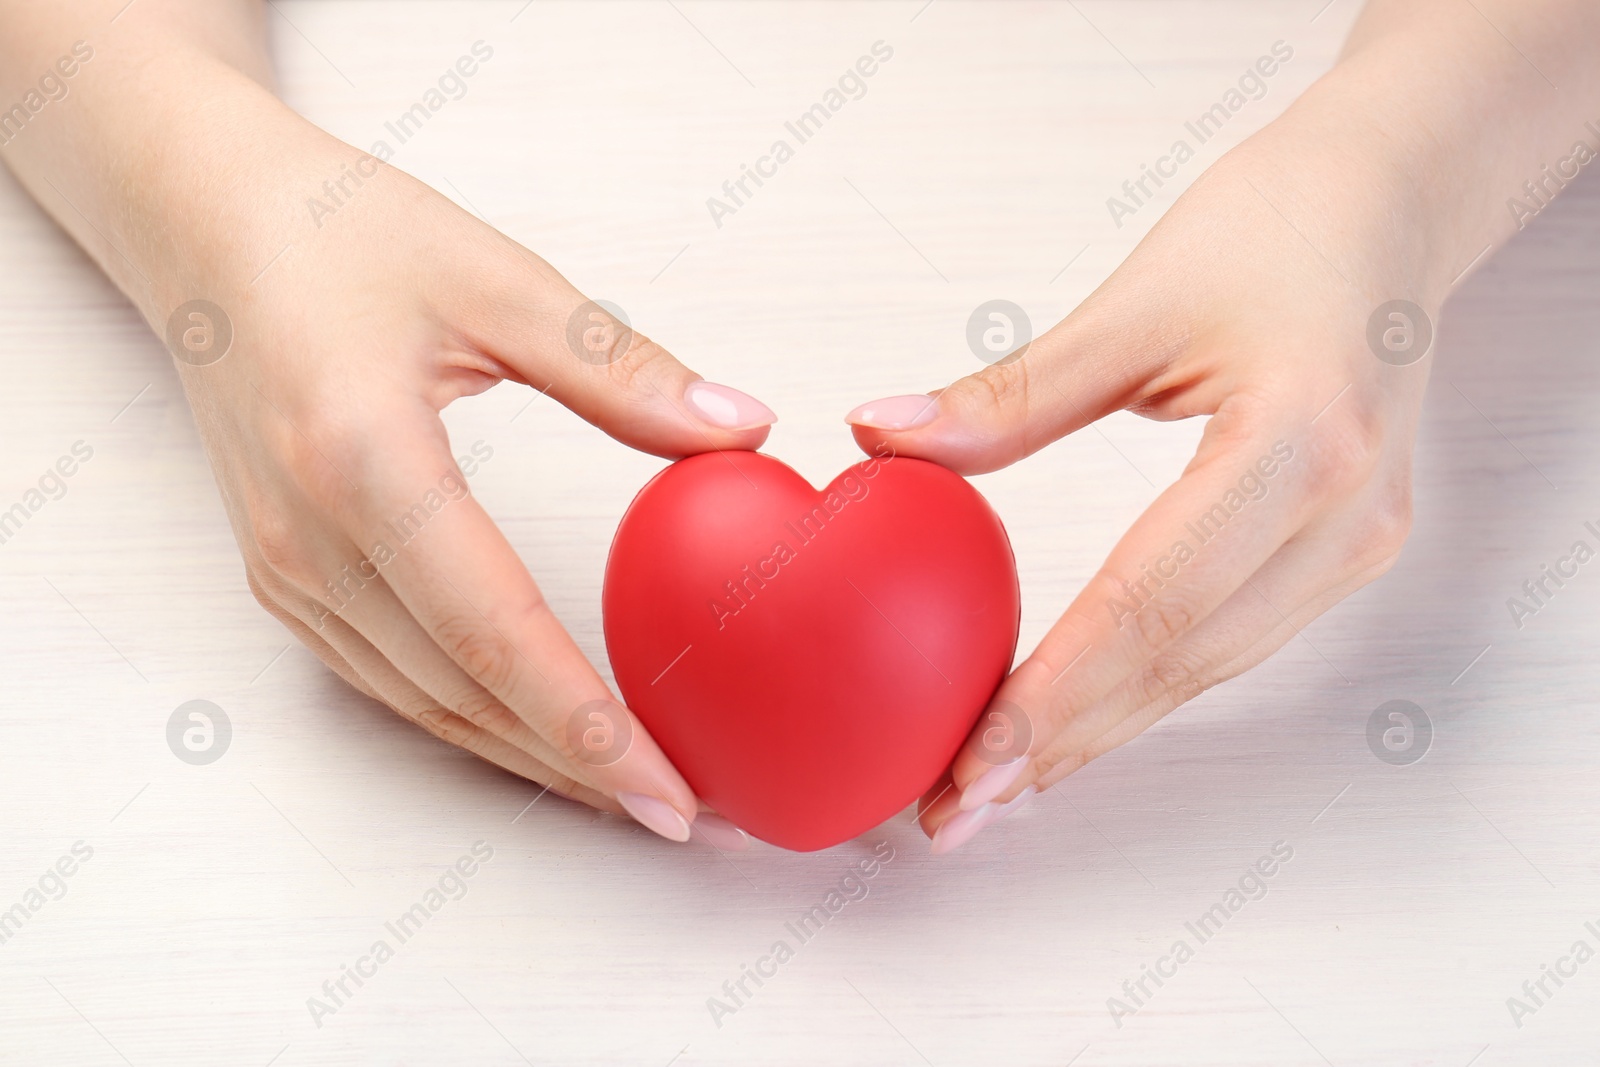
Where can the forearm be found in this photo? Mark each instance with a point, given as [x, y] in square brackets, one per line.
[1451, 115]
[166, 111]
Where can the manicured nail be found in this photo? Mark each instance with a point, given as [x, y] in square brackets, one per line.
[896, 412]
[655, 814]
[727, 408]
[991, 783]
[961, 828]
[721, 833]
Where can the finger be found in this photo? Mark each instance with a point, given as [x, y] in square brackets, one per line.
[359, 663]
[310, 638]
[400, 645]
[1092, 363]
[938, 803]
[1237, 504]
[949, 827]
[353, 608]
[720, 833]
[454, 571]
[1259, 618]
[1213, 652]
[1286, 627]
[1311, 573]
[530, 320]
[464, 716]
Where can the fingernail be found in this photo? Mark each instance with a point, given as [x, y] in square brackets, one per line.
[1016, 803]
[727, 408]
[655, 814]
[991, 783]
[960, 829]
[896, 412]
[720, 832]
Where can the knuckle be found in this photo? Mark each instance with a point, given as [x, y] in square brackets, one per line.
[634, 359]
[259, 591]
[280, 548]
[280, 600]
[995, 401]
[1164, 619]
[478, 649]
[1171, 674]
[1002, 390]
[1344, 451]
[1383, 532]
[487, 712]
[1237, 425]
[298, 614]
[447, 726]
[1187, 690]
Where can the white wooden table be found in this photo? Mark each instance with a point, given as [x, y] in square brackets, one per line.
[218, 898]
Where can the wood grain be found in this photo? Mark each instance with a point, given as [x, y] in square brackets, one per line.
[219, 898]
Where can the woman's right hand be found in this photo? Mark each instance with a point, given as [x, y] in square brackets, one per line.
[322, 425]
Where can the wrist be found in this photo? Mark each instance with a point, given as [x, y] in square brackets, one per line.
[1365, 174]
[205, 197]
[175, 171]
[1438, 121]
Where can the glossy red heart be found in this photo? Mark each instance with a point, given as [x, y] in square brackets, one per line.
[810, 661]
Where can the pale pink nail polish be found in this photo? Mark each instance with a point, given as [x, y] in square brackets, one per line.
[655, 814]
[991, 783]
[720, 832]
[727, 408]
[896, 412]
[960, 829]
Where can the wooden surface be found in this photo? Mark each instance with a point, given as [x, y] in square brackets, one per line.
[219, 898]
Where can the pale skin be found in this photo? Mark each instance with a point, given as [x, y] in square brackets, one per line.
[177, 168]
[1249, 302]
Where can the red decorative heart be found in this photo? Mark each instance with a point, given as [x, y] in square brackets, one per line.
[810, 661]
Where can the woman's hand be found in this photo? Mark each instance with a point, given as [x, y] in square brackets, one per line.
[1286, 296]
[1249, 302]
[355, 522]
[323, 307]
[182, 175]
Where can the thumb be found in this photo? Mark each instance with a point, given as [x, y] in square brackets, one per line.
[587, 355]
[990, 419]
